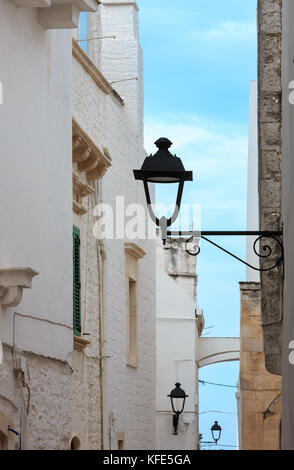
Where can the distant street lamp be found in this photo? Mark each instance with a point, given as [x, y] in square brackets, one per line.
[177, 397]
[216, 431]
[164, 168]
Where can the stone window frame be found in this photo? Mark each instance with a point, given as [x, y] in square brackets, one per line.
[133, 253]
[121, 440]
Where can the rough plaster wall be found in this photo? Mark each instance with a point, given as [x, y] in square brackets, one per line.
[48, 424]
[129, 404]
[258, 388]
[178, 264]
[270, 119]
[36, 230]
[130, 392]
[95, 27]
[122, 58]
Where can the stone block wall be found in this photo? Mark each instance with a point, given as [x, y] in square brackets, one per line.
[260, 391]
[41, 412]
[269, 139]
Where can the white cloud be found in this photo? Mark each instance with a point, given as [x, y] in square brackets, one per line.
[217, 154]
[206, 146]
[235, 31]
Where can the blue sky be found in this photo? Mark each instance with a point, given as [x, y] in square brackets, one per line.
[199, 58]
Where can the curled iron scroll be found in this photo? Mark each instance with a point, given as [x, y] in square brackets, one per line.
[267, 251]
[196, 247]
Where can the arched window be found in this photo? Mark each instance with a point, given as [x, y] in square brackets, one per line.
[75, 443]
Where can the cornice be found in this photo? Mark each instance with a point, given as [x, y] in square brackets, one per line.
[94, 73]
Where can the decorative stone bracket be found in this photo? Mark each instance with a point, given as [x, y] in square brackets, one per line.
[134, 250]
[12, 283]
[90, 161]
[80, 190]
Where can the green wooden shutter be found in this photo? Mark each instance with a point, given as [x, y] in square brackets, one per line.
[76, 282]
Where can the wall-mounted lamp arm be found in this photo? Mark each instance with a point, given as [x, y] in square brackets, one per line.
[266, 251]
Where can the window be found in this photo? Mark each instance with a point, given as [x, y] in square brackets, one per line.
[75, 443]
[84, 31]
[120, 441]
[133, 254]
[132, 327]
[76, 282]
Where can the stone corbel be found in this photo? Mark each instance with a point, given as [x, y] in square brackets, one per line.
[12, 283]
[80, 343]
[90, 160]
[80, 190]
[200, 322]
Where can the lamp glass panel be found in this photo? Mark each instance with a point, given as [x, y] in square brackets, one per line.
[178, 404]
[165, 197]
[163, 179]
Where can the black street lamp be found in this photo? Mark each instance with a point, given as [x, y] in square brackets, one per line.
[177, 397]
[164, 168]
[216, 431]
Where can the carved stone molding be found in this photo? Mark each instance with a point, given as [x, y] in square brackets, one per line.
[90, 159]
[134, 250]
[90, 163]
[33, 3]
[80, 190]
[80, 343]
[12, 283]
[59, 14]
[63, 14]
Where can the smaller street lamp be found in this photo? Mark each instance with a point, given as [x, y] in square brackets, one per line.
[177, 397]
[216, 431]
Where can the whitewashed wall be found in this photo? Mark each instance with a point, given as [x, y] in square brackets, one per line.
[177, 338]
[35, 195]
[252, 185]
[128, 393]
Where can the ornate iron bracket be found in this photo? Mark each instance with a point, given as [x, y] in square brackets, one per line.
[265, 252]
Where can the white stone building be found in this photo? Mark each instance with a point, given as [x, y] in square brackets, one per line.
[36, 239]
[181, 349]
[114, 365]
[56, 145]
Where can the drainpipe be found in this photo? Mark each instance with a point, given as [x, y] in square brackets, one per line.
[101, 256]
